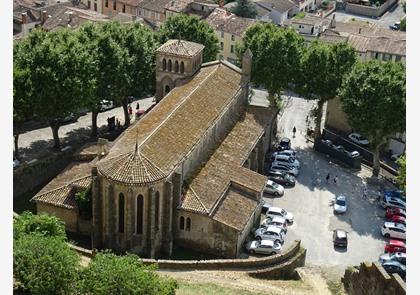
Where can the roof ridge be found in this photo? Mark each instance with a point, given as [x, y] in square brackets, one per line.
[61, 187]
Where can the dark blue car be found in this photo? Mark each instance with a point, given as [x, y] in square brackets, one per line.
[395, 194]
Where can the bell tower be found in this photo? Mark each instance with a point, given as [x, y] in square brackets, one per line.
[176, 60]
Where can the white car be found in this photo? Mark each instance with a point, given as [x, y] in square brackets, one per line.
[393, 230]
[263, 247]
[286, 160]
[392, 202]
[357, 138]
[275, 221]
[340, 204]
[284, 168]
[105, 105]
[271, 233]
[273, 188]
[279, 212]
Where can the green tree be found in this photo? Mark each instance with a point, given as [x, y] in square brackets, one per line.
[22, 103]
[403, 24]
[41, 224]
[245, 8]
[111, 274]
[191, 28]
[276, 56]
[402, 172]
[56, 75]
[44, 265]
[322, 70]
[373, 97]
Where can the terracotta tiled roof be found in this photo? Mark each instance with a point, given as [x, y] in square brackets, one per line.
[155, 5]
[278, 5]
[180, 48]
[131, 169]
[221, 20]
[213, 184]
[178, 6]
[387, 45]
[177, 123]
[359, 43]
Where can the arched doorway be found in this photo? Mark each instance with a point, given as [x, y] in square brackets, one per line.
[167, 89]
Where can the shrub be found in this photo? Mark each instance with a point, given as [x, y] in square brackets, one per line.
[44, 264]
[42, 224]
[84, 202]
[111, 274]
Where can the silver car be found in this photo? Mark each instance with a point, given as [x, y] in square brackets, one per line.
[271, 233]
[340, 204]
[290, 153]
[287, 160]
[273, 188]
[275, 221]
[284, 168]
[263, 247]
[392, 202]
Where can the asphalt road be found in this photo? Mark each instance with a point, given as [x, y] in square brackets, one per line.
[387, 19]
[311, 202]
[35, 143]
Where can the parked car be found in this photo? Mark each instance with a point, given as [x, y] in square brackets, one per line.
[398, 256]
[394, 246]
[396, 26]
[393, 230]
[340, 204]
[339, 148]
[282, 178]
[353, 154]
[398, 194]
[357, 138]
[265, 207]
[276, 211]
[395, 267]
[394, 211]
[290, 153]
[273, 188]
[276, 221]
[398, 219]
[105, 105]
[263, 247]
[69, 118]
[327, 142]
[390, 202]
[284, 144]
[340, 238]
[271, 233]
[284, 168]
[287, 160]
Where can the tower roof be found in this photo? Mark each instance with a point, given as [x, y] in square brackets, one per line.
[131, 169]
[180, 48]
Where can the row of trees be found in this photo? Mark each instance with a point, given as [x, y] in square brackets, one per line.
[372, 93]
[58, 73]
[43, 263]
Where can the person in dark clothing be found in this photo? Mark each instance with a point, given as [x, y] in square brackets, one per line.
[327, 178]
[137, 106]
[294, 131]
[335, 179]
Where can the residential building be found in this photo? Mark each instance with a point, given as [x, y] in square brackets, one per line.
[305, 5]
[199, 8]
[309, 25]
[230, 29]
[153, 11]
[113, 7]
[95, 5]
[276, 11]
[186, 173]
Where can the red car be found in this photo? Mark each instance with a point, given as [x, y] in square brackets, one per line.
[395, 211]
[395, 246]
[398, 219]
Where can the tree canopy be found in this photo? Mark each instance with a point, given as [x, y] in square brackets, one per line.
[373, 98]
[401, 179]
[111, 274]
[191, 28]
[245, 8]
[41, 224]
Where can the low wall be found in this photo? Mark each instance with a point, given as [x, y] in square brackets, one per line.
[371, 278]
[372, 11]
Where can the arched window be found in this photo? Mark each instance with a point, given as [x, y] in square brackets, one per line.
[170, 65]
[176, 67]
[157, 211]
[188, 226]
[182, 67]
[181, 222]
[167, 89]
[164, 64]
[121, 212]
[139, 214]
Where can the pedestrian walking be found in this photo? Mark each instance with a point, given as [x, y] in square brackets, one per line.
[327, 178]
[130, 110]
[365, 192]
[137, 106]
[294, 131]
[335, 179]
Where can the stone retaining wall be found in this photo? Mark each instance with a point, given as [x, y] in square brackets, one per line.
[371, 278]
[372, 11]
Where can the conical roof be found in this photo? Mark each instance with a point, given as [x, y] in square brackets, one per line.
[131, 169]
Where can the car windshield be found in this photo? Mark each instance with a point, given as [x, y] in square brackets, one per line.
[341, 203]
[275, 185]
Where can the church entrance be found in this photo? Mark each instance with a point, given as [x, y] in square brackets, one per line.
[167, 89]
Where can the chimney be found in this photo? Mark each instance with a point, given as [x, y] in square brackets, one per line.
[333, 24]
[44, 16]
[25, 29]
[24, 18]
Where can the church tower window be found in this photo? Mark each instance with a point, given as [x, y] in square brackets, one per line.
[121, 213]
[181, 223]
[139, 214]
[182, 67]
[176, 66]
[157, 211]
[164, 64]
[170, 65]
[188, 226]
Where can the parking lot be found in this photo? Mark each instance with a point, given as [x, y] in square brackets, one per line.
[312, 198]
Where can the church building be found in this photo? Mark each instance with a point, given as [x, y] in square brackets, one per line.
[187, 172]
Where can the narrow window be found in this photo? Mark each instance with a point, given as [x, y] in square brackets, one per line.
[139, 214]
[232, 37]
[123, 8]
[170, 65]
[182, 67]
[181, 223]
[115, 5]
[221, 45]
[176, 67]
[188, 226]
[157, 205]
[164, 64]
[232, 49]
[167, 89]
[95, 7]
[89, 4]
[106, 3]
[121, 213]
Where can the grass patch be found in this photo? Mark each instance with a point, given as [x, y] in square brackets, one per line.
[300, 15]
[209, 289]
[336, 287]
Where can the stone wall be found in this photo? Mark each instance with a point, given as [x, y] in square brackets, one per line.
[371, 278]
[372, 11]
